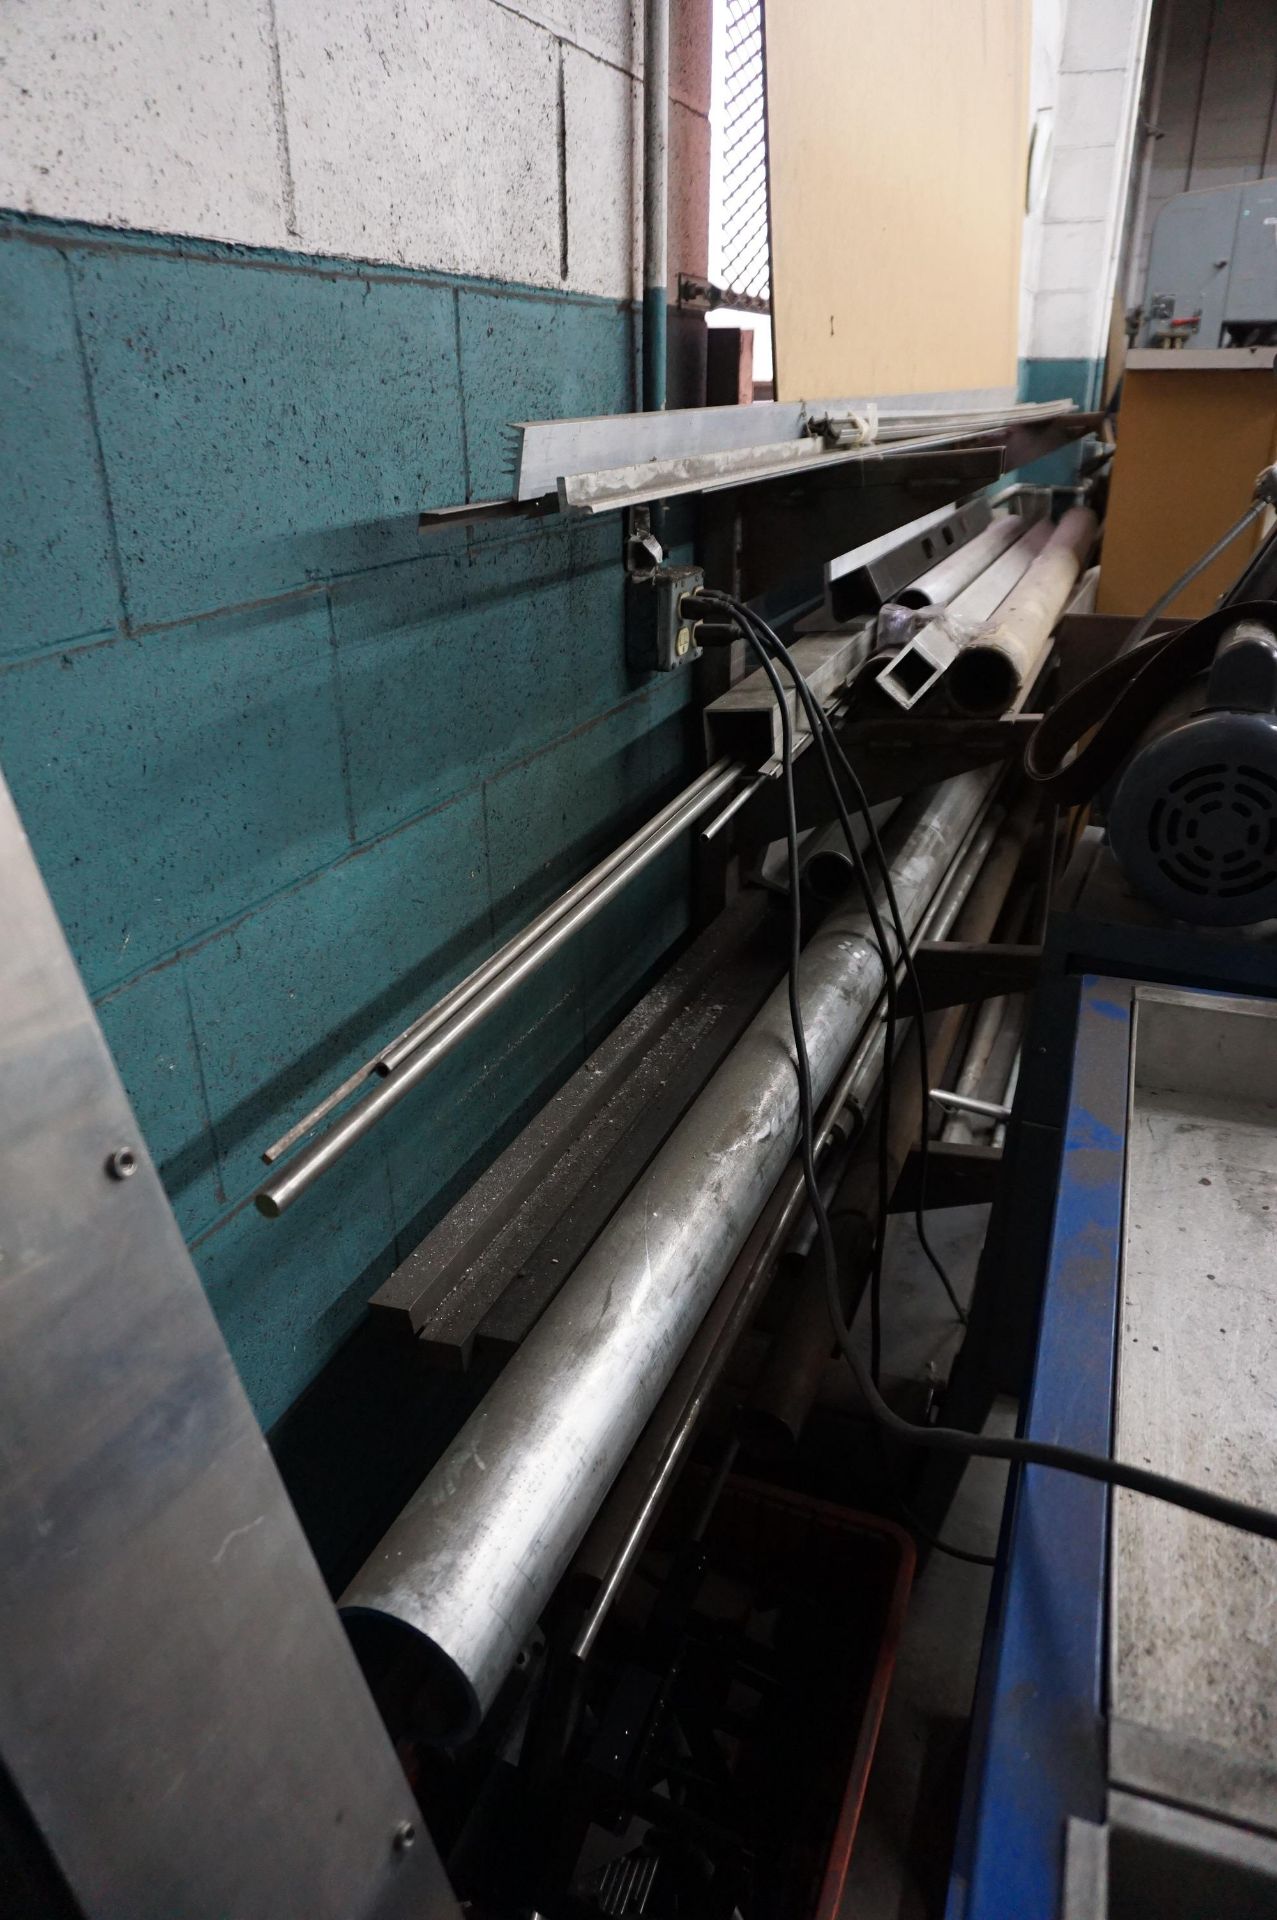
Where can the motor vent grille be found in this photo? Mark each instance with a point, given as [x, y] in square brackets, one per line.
[1213, 831]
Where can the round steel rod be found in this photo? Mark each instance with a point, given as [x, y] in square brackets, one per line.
[964, 1103]
[985, 1063]
[435, 1017]
[420, 1029]
[462, 1575]
[287, 1185]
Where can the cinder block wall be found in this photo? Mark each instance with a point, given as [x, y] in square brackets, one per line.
[274, 275]
[1088, 61]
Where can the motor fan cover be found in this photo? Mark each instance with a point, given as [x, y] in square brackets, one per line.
[1194, 819]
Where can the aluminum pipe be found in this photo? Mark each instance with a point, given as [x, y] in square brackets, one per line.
[943, 583]
[827, 866]
[787, 1385]
[993, 669]
[463, 1574]
[984, 596]
[616, 1537]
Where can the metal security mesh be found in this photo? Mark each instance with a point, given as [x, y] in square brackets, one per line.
[745, 252]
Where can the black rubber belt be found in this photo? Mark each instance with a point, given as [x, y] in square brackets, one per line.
[1085, 737]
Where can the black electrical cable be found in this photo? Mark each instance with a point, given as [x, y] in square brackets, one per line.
[825, 733]
[1261, 1521]
[825, 738]
[761, 639]
[759, 645]
[966, 1554]
[1190, 574]
[802, 1059]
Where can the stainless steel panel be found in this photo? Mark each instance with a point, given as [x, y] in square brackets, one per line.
[179, 1709]
[1194, 1604]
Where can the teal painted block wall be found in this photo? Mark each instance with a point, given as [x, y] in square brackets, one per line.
[290, 770]
[1076, 380]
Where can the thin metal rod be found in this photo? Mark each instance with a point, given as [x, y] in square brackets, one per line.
[733, 807]
[1008, 1099]
[278, 1193]
[967, 1103]
[421, 1029]
[396, 1051]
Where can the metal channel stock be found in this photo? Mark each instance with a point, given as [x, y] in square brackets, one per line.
[422, 1046]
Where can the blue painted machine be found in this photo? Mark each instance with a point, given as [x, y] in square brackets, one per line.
[1123, 1757]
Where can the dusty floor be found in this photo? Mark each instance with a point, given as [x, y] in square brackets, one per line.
[900, 1864]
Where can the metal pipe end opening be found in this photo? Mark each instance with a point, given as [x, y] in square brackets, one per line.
[982, 680]
[417, 1686]
[829, 877]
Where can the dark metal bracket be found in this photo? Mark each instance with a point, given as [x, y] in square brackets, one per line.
[955, 973]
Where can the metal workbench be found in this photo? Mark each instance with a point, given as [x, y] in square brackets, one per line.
[1124, 1756]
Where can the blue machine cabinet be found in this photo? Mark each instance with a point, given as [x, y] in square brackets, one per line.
[1037, 1756]
[1040, 1792]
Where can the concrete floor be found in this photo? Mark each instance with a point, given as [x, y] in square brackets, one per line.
[899, 1868]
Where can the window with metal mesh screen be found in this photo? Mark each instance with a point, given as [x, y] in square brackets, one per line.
[740, 157]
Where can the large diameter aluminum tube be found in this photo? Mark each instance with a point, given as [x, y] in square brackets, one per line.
[616, 1536]
[461, 1577]
[947, 579]
[992, 669]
